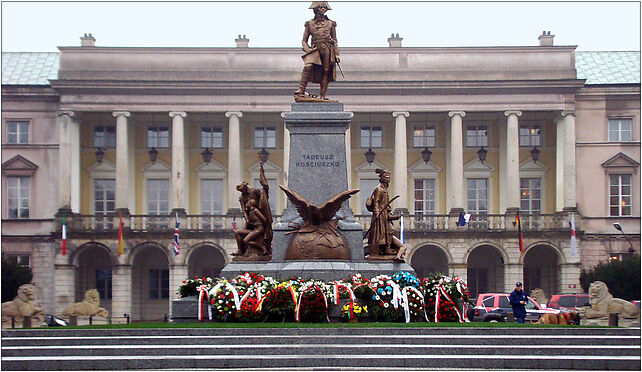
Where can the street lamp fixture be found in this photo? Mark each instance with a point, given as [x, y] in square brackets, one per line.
[207, 155]
[426, 154]
[618, 227]
[481, 153]
[153, 154]
[535, 154]
[264, 155]
[370, 156]
[100, 154]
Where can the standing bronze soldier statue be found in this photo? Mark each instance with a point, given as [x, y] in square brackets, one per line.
[254, 241]
[382, 244]
[322, 57]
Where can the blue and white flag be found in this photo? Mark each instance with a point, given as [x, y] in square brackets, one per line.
[401, 233]
[176, 245]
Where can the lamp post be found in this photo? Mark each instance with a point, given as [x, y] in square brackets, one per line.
[619, 228]
[370, 156]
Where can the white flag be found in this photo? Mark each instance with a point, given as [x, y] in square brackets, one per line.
[573, 237]
[401, 233]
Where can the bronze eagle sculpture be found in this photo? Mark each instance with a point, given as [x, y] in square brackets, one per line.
[317, 215]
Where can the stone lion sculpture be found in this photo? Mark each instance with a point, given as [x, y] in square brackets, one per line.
[539, 296]
[602, 304]
[24, 304]
[87, 307]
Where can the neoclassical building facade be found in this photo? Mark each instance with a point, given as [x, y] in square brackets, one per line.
[96, 134]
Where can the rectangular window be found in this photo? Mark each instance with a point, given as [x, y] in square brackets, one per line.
[211, 137]
[212, 196]
[271, 192]
[158, 283]
[20, 259]
[530, 195]
[104, 136]
[371, 137]
[104, 196]
[157, 136]
[477, 195]
[620, 130]
[620, 195]
[424, 136]
[425, 196]
[476, 135]
[367, 187]
[157, 197]
[17, 132]
[18, 197]
[265, 137]
[530, 135]
[103, 283]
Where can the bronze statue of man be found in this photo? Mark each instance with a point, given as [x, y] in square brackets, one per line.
[322, 55]
[255, 240]
[381, 240]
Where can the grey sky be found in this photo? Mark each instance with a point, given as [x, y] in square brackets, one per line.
[38, 26]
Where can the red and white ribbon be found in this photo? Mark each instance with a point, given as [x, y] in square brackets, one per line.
[406, 306]
[441, 290]
[202, 296]
[463, 304]
[396, 295]
[337, 287]
[315, 288]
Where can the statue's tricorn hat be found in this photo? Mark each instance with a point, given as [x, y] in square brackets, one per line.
[319, 3]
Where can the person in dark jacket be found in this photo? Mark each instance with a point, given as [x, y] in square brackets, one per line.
[518, 301]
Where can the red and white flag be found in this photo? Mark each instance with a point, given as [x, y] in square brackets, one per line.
[573, 236]
[64, 235]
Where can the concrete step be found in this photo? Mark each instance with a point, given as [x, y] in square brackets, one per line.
[491, 348]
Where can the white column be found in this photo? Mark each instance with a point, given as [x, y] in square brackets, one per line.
[559, 164]
[177, 273]
[349, 157]
[569, 160]
[503, 199]
[74, 147]
[286, 154]
[512, 160]
[64, 286]
[64, 160]
[131, 140]
[123, 160]
[400, 170]
[455, 175]
[179, 173]
[233, 158]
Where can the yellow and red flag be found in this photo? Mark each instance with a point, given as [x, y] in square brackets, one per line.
[121, 249]
[519, 230]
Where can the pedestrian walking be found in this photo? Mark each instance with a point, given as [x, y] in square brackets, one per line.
[518, 301]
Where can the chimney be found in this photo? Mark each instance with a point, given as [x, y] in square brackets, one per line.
[546, 39]
[242, 42]
[394, 41]
[87, 41]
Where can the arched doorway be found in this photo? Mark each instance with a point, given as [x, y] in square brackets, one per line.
[485, 273]
[205, 261]
[542, 269]
[429, 259]
[93, 270]
[150, 283]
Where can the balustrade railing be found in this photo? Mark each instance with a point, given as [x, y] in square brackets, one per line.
[412, 222]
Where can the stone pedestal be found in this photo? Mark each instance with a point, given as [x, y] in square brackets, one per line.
[317, 171]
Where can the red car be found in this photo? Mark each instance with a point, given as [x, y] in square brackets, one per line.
[571, 302]
[496, 306]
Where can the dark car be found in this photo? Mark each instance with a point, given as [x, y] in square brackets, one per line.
[496, 307]
[571, 302]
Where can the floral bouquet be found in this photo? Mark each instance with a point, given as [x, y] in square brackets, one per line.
[189, 287]
[381, 302]
[451, 293]
[352, 310]
[249, 311]
[406, 279]
[224, 300]
[313, 304]
[415, 305]
[279, 302]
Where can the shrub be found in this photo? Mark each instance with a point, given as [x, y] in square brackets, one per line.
[13, 276]
[622, 277]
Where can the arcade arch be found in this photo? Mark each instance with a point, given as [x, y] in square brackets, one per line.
[429, 258]
[205, 260]
[542, 269]
[485, 271]
[150, 283]
[93, 269]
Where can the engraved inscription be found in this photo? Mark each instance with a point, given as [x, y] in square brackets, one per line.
[317, 160]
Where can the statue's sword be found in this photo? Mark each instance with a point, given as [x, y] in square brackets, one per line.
[378, 215]
[340, 70]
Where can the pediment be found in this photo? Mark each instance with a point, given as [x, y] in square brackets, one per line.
[268, 167]
[156, 166]
[19, 163]
[212, 167]
[476, 165]
[104, 167]
[531, 166]
[367, 168]
[421, 166]
[620, 160]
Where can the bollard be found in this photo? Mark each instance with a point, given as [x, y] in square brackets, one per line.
[26, 322]
[109, 319]
[613, 320]
[127, 317]
[73, 320]
[165, 318]
[13, 322]
[90, 320]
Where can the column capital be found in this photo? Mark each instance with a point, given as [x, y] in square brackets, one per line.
[235, 113]
[453, 113]
[567, 112]
[121, 113]
[182, 114]
[66, 113]
[397, 113]
[512, 112]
